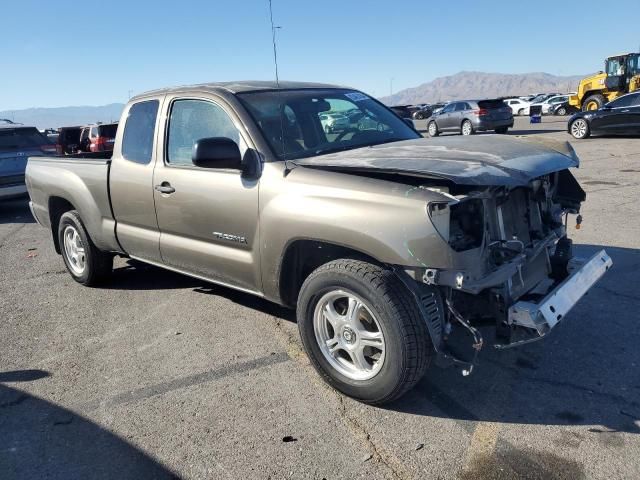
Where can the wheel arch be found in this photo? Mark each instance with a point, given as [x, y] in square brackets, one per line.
[58, 206]
[302, 256]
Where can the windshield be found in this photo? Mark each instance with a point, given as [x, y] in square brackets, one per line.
[302, 123]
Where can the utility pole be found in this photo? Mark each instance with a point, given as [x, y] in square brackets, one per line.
[391, 86]
[273, 38]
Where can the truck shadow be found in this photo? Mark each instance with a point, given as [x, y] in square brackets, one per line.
[43, 440]
[584, 373]
[15, 210]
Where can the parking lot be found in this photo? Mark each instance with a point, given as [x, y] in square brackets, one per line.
[158, 375]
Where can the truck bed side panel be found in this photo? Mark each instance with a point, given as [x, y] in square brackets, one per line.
[82, 182]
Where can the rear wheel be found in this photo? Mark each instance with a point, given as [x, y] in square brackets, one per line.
[580, 128]
[593, 102]
[362, 330]
[85, 263]
[561, 111]
[467, 128]
[521, 111]
[433, 129]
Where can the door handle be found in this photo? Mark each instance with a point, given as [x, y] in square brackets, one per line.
[165, 187]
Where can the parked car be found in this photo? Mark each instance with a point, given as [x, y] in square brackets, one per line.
[518, 106]
[549, 103]
[98, 137]
[404, 111]
[563, 109]
[436, 107]
[424, 111]
[68, 140]
[620, 116]
[334, 122]
[17, 143]
[384, 241]
[470, 116]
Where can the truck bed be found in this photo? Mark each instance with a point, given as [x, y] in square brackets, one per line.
[81, 180]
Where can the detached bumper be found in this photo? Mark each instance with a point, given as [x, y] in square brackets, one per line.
[546, 314]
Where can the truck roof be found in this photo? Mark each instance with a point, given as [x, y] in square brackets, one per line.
[240, 86]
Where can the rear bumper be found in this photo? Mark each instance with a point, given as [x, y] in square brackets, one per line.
[547, 313]
[493, 124]
[10, 191]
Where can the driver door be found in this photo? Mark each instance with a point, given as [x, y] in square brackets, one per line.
[207, 217]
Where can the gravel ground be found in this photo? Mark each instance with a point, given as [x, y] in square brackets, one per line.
[161, 376]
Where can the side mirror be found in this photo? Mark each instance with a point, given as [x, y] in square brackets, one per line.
[216, 152]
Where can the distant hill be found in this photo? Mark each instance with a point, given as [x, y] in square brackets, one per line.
[469, 85]
[64, 116]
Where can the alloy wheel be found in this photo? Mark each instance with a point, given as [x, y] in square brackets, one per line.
[349, 335]
[74, 250]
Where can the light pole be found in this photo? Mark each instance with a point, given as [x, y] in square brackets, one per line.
[391, 86]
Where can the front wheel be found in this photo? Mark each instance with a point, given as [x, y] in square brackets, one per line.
[467, 128]
[580, 129]
[562, 111]
[85, 262]
[362, 330]
[593, 102]
[433, 129]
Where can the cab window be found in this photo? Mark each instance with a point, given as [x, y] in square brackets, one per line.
[192, 120]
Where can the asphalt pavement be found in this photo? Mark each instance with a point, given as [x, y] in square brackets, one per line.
[157, 375]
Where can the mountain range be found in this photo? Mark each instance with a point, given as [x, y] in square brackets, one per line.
[64, 116]
[462, 85]
[470, 85]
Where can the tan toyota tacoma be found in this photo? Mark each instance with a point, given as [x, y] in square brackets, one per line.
[320, 198]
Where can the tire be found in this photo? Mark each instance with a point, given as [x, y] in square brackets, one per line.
[593, 102]
[466, 128]
[405, 350]
[86, 264]
[521, 111]
[562, 111]
[502, 130]
[579, 129]
[419, 116]
[432, 128]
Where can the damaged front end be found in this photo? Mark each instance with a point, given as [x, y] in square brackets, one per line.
[513, 262]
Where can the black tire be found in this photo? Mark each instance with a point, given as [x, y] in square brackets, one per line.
[521, 112]
[98, 265]
[502, 130]
[595, 99]
[562, 111]
[468, 129]
[433, 131]
[408, 348]
[580, 129]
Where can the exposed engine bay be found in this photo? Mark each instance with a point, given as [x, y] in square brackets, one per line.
[518, 237]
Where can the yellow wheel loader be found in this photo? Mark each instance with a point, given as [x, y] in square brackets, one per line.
[621, 75]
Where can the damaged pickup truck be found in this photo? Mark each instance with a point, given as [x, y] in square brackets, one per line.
[387, 244]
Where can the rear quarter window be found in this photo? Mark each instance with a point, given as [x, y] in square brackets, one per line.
[139, 129]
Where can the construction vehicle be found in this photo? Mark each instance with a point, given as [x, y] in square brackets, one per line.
[621, 75]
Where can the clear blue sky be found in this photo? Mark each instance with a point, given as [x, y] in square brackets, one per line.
[60, 52]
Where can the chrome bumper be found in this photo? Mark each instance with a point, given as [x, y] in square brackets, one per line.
[546, 314]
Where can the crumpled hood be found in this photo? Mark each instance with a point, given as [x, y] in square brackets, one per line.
[477, 160]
